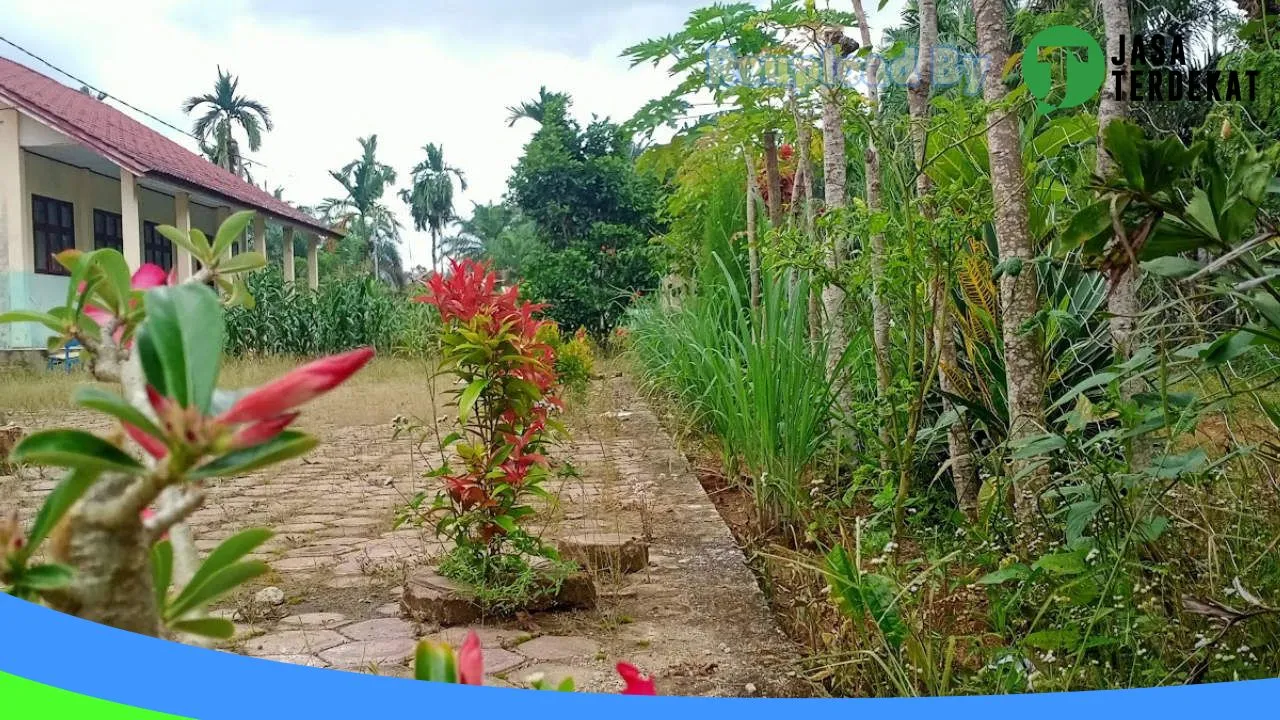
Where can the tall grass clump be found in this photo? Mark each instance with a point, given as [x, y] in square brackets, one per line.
[751, 377]
[345, 312]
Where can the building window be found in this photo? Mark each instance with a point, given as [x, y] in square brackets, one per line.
[156, 248]
[107, 231]
[54, 229]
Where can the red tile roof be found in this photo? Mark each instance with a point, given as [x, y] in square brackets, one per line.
[134, 146]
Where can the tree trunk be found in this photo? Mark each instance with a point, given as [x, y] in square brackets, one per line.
[111, 555]
[753, 246]
[959, 443]
[1019, 294]
[879, 307]
[833, 179]
[1122, 304]
[802, 205]
[773, 177]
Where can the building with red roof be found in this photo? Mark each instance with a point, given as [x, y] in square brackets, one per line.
[78, 173]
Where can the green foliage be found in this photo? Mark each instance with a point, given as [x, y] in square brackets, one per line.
[752, 378]
[345, 312]
[593, 215]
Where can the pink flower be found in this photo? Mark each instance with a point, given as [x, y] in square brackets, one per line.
[471, 661]
[262, 431]
[636, 684]
[148, 276]
[147, 514]
[296, 387]
[154, 446]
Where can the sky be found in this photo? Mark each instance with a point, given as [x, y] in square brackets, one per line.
[330, 71]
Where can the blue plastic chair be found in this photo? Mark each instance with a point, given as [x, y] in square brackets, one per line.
[68, 356]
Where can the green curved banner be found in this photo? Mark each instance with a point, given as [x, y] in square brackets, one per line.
[22, 699]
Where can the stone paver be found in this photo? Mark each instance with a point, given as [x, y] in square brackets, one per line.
[553, 647]
[380, 629]
[691, 614]
[364, 652]
[294, 642]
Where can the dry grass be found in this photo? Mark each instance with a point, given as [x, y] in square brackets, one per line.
[388, 387]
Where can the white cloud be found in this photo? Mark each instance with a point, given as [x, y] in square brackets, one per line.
[410, 76]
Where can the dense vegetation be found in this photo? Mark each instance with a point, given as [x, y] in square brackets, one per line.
[1000, 386]
[346, 312]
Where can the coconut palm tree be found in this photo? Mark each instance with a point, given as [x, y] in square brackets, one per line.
[361, 212]
[431, 197]
[536, 109]
[224, 109]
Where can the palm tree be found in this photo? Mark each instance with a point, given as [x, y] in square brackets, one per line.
[361, 211]
[431, 197]
[224, 110]
[536, 109]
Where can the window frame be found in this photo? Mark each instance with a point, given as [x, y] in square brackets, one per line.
[156, 248]
[101, 239]
[44, 263]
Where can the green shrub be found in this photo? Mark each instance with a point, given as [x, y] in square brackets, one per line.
[345, 312]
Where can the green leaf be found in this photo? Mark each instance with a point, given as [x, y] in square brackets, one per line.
[506, 523]
[467, 400]
[244, 262]
[186, 241]
[435, 662]
[200, 240]
[1039, 445]
[1090, 224]
[47, 577]
[1009, 266]
[96, 398]
[59, 501]
[1200, 212]
[1079, 515]
[1172, 266]
[219, 628]
[1171, 466]
[228, 551]
[184, 334]
[1227, 348]
[73, 449]
[214, 587]
[1016, 571]
[115, 291]
[287, 445]
[231, 230]
[33, 316]
[1064, 563]
[1095, 380]
[1150, 529]
[161, 572]
[1062, 639]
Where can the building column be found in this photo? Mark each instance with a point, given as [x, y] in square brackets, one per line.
[17, 244]
[182, 221]
[260, 233]
[84, 210]
[287, 245]
[15, 201]
[313, 263]
[130, 220]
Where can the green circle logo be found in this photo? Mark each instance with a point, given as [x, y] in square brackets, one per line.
[1083, 78]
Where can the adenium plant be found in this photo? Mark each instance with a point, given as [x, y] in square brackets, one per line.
[108, 555]
[437, 662]
[506, 384]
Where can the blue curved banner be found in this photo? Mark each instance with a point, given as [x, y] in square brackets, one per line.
[59, 651]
